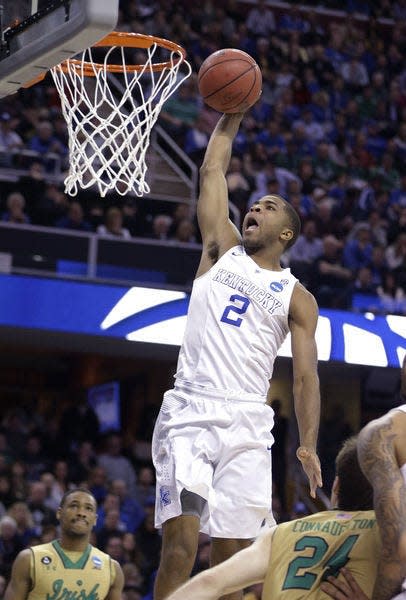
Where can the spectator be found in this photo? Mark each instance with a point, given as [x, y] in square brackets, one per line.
[185, 232]
[97, 483]
[79, 423]
[10, 544]
[307, 249]
[34, 457]
[41, 514]
[74, 219]
[116, 465]
[9, 139]
[260, 20]
[396, 253]
[21, 514]
[391, 295]
[113, 224]
[180, 111]
[145, 484]
[333, 279]
[45, 141]
[161, 225]
[357, 251]
[131, 513]
[15, 212]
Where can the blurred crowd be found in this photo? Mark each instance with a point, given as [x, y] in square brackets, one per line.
[328, 134]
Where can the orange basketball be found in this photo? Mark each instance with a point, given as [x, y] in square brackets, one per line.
[230, 81]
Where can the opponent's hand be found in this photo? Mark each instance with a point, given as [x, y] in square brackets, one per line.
[343, 589]
[311, 466]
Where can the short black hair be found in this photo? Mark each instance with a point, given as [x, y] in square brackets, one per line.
[294, 223]
[354, 491]
[73, 491]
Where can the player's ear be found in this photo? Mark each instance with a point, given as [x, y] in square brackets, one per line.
[286, 234]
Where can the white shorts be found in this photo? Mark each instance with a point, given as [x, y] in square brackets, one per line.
[218, 448]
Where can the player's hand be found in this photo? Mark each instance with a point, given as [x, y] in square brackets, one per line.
[343, 589]
[311, 466]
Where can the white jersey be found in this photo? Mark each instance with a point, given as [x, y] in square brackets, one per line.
[237, 321]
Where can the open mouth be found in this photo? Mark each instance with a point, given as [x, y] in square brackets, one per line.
[251, 224]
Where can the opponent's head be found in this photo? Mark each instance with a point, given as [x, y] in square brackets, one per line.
[270, 220]
[77, 512]
[351, 489]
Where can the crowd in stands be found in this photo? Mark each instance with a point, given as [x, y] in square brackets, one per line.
[328, 134]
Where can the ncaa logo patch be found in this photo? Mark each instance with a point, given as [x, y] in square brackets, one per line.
[46, 560]
[97, 563]
[165, 496]
[276, 286]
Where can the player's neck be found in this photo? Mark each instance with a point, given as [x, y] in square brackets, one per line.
[266, 259]
[73, 544]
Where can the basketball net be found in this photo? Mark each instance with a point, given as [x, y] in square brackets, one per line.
[109, 132]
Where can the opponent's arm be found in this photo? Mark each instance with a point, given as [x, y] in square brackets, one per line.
[116, 590]
[218, 232]
[20, 581]
[303, 314]
[380, 452]
[245, 568]
[343, 589]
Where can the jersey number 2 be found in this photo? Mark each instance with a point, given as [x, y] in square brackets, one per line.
[240, 306]
[304, 564]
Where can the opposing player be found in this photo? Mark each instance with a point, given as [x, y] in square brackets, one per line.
[382, 455]
[212, 440]
[293, 558]
[69, 567]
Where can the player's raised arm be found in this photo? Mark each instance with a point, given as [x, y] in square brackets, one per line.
[218, 232]
[20, 581]
[303, 316]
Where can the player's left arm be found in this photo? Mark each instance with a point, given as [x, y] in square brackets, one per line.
[303, 315]
[116, 589]
[245, 568]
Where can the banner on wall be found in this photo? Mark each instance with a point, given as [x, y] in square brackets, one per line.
[157, 316]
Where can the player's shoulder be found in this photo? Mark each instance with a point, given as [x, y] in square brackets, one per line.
[303, 303]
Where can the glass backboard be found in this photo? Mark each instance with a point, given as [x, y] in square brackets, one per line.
[39, 34]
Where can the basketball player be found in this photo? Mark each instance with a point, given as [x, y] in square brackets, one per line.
[69, 567]
[212, 439]
[293, 558]
[382, 455]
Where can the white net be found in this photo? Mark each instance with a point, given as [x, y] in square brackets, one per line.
[109, 132]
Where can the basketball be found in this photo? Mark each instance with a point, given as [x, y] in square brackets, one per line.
[230, 81]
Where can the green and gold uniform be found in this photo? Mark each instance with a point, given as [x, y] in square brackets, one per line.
[318, 546]
[60, 575]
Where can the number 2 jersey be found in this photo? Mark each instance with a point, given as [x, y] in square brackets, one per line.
[318, 546]
[237, 321]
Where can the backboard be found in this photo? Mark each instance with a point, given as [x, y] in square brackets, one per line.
[39, 34]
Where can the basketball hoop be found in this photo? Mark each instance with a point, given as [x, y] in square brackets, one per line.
[109, 133]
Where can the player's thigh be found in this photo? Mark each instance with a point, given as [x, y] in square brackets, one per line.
[223, 548]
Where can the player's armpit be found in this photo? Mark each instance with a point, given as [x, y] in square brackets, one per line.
[20, 581]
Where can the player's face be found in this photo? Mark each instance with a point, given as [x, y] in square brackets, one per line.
[264, 223]
[78, 514]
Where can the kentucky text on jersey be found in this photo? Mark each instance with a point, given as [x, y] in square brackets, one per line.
[333, 527]
[247, 287]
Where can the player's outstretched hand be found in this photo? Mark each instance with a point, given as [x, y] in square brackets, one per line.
[311, 466]
[343, 589]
